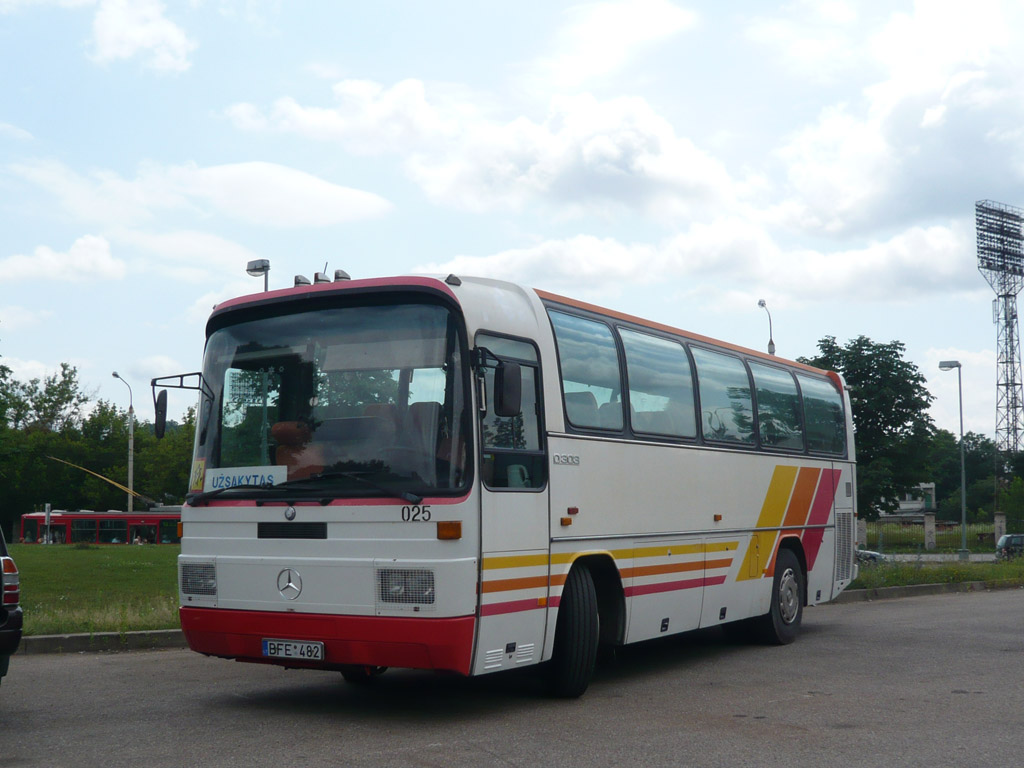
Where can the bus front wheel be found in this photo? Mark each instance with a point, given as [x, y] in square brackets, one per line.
[576, 636]
[781, 624]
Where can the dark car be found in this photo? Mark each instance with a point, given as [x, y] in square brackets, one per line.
[10, 611]
[1010, 545]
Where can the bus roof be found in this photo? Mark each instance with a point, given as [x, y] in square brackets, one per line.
[444, 285]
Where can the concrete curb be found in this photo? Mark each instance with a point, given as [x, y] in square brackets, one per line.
[103, 641]
[917, 590]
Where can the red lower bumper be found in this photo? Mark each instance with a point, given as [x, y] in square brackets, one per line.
[444, 644]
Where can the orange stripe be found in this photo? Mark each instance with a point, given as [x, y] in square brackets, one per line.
[803, 493]
[507, 585]
[651, 570]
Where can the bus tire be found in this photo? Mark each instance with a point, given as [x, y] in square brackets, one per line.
[361, 674]
[781, 624]
[577, 631]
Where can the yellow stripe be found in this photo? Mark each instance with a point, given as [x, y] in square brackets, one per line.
[762, 544]
[514, 561]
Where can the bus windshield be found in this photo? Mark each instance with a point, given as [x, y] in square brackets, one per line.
[339, 401]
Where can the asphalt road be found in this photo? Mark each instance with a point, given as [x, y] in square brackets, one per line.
[925, 681]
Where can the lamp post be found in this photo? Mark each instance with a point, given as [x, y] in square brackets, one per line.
[131, 443]
[949, 365]
[771, 342]
[258, 267]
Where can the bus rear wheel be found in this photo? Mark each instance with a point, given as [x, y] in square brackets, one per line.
[781, 624]
[361, 674]
[576, 636]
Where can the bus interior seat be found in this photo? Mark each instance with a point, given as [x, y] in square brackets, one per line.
[610, 415]
[518, 477]
[581, 408]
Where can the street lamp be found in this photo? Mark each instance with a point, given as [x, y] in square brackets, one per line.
[131, 443]
[259, 267]
[949, 365]
[771, 342]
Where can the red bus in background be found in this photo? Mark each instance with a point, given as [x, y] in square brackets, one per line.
[158, 525]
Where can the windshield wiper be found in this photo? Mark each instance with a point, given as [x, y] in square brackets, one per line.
[408, 496]
[201, 498]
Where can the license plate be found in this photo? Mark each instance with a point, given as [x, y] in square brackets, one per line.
[293, 649]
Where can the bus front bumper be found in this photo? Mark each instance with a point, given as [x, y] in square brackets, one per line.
[414, 643]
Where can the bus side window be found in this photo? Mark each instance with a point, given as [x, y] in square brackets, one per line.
[513, 446]
[660, 385]
[823, 416]
[779, 417]
[590, 372]
[725, 401]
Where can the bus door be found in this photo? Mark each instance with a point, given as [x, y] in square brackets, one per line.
[514, 516]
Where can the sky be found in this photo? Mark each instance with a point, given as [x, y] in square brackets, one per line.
[673, 160]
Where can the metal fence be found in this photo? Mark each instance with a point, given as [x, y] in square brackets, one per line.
[908, 536]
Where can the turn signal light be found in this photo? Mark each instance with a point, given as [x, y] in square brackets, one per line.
[449, 530]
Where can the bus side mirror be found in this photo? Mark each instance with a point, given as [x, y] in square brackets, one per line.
[160, 423]
[508, 389]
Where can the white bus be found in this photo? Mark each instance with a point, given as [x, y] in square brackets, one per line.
[468, 475]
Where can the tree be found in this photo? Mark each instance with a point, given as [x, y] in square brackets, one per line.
[890, 416]
[51, 418]
[980, 465]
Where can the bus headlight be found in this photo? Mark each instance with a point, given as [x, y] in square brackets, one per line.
[199, 579]
[407, 586]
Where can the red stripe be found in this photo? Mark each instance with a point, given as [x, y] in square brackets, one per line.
[515, 606]
[672, 586]
[821, 509]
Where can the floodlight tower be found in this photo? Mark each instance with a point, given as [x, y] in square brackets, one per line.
[1001, 261]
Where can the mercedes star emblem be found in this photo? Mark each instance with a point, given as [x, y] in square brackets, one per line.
[289, 513]
[289, 583]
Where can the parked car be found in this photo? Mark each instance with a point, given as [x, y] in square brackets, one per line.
[10, 610]
[867, 556]
[1010, 545]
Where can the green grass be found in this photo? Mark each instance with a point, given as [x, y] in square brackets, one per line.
[69, 589]
[894, 574]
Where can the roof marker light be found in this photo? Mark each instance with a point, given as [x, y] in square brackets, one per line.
[341, 274]
[321, 277]
[301, 280]
[453, 280]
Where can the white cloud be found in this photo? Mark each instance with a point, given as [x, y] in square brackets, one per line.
[14, 132]
[817, 40]
[837, 170]
[87, 259]
[13, 317]
[368, 118]
[8, 6]
[600, 38]
[26, 370]
[188, 256]
[124, 29]
[254, 192]
[743, 255]
[586, 153]
[267, 193]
